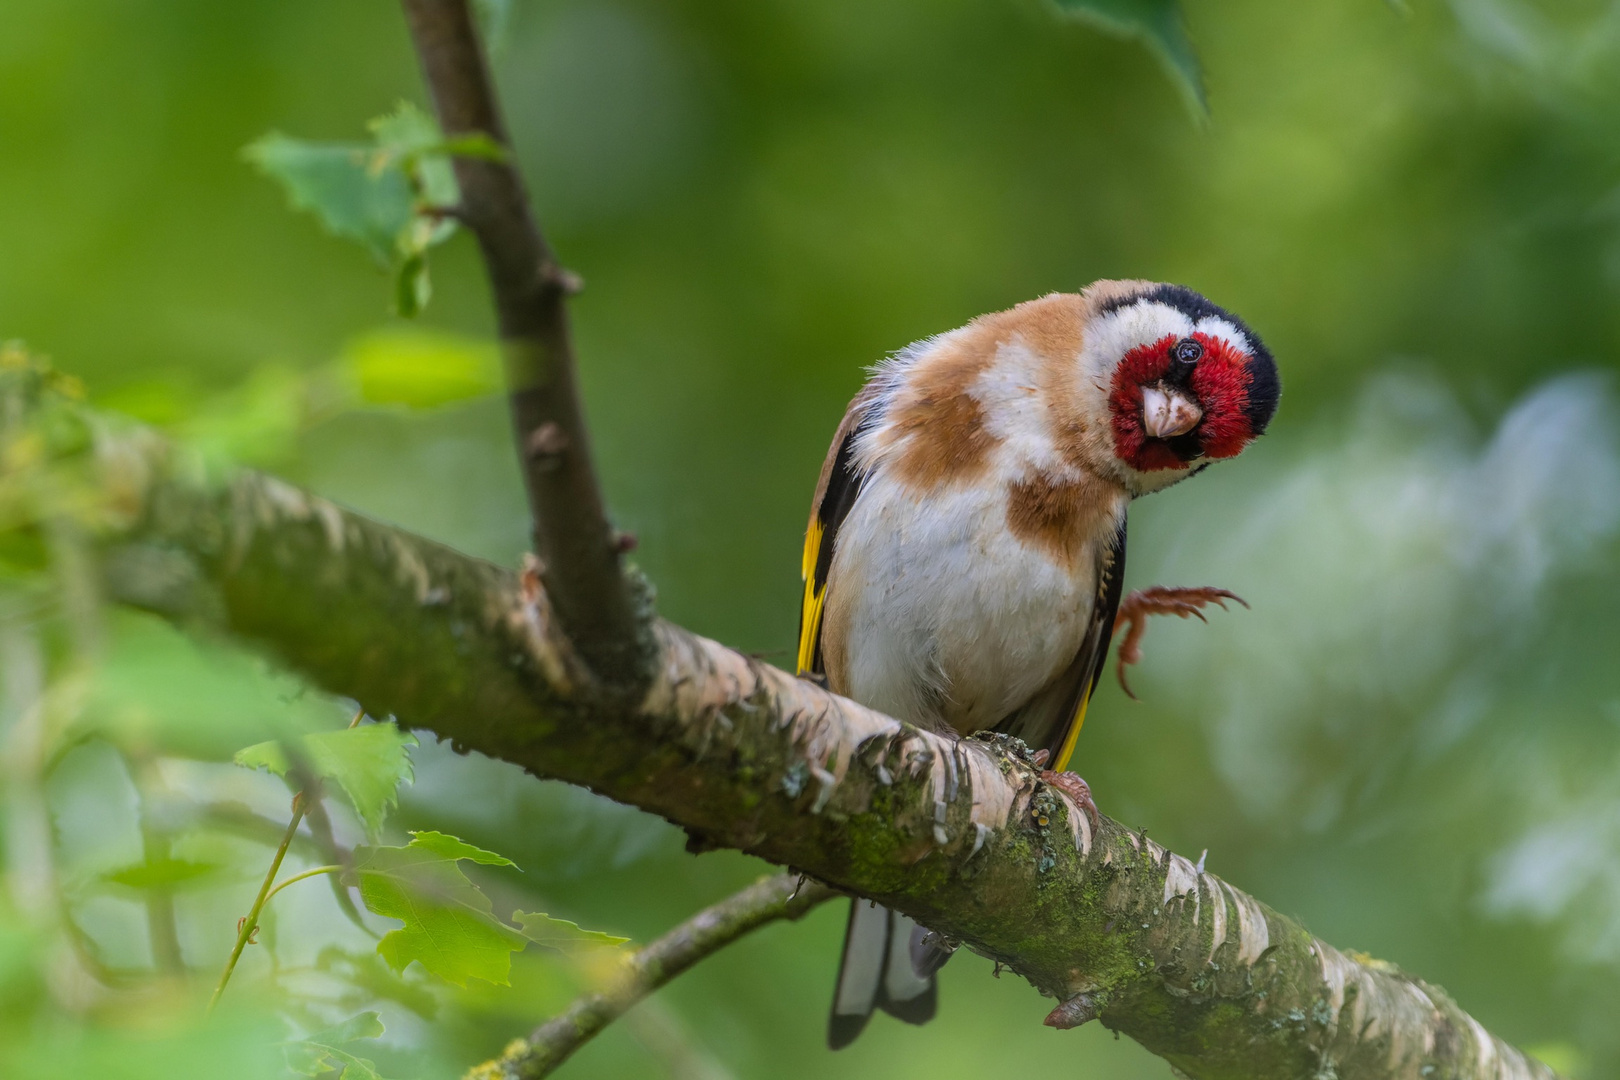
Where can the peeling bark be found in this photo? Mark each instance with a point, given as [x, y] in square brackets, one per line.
[959, 834]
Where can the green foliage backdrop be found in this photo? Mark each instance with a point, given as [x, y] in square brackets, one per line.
[1412, 739]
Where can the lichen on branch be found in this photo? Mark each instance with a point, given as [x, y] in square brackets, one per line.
[960, 834]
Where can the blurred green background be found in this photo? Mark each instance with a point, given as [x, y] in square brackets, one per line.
[1412, 742]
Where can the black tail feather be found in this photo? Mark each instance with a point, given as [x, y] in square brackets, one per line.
[877, 971]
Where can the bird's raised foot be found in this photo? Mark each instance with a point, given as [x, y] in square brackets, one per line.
[1077, 789]
[1160, 600]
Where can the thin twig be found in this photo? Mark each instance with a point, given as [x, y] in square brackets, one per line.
[705, 933]
[576, 544]
[244, 931]
[307, 874]
[250, 923]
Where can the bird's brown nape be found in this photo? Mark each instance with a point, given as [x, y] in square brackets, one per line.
[942, 424]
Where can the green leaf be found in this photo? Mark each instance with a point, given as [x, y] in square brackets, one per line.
[337, 184]
[449, 925]
[354, 1068]
[366, 1025]
[409, 140]
[257, 421]
[413, 288]
[372, 979]
[454, 847]
[383, 195]
[368, 763]
[323, 1051]
[191, 696]
[476, 145]
[560, 934]
[1158, 23]
[421, 369]
[160, 874]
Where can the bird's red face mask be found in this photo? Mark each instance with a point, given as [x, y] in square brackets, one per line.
[1180, 399]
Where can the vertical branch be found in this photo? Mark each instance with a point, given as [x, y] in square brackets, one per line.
[28, 874]
[578, 549]
[161, 924]
[30, 869]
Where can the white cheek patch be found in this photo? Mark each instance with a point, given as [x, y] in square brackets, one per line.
[1108, 339]
[1217, 327]
[1117, 333]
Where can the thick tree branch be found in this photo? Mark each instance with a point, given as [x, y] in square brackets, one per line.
[961, 835]
[785, 896]
[578, 549]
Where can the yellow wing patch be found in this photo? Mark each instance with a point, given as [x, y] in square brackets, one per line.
[814, 598]
[1067, 752]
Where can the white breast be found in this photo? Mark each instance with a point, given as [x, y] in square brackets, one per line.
[946, 617]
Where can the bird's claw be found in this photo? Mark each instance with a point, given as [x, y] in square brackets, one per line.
[1160, 600]
[1076, 789]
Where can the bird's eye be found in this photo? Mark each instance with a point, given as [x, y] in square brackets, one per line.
[1187, 351]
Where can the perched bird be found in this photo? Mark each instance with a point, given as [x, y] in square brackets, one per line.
[966, 544]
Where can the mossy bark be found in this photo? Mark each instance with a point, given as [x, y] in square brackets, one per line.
[961, 835]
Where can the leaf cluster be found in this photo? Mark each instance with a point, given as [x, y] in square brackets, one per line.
[395, 196]
[448, 922]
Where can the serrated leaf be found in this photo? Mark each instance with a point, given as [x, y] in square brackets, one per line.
[305, 1060]
[382, 195]
[366, 1025]
[411, 142]
[450, 927]
[268, 756]
[407, 129]
[454, 847]
[560, 934]
[323, 1053]
[368, 763]
[1159, 23]
[354, 1068]
[421, 369]
[373, 979]
[160, 873]
[334, 181]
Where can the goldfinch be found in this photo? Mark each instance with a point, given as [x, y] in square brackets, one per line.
[966, 545]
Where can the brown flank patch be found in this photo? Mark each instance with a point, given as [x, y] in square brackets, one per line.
[949, 442]
[1060, 516]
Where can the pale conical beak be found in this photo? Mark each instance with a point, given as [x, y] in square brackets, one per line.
[1168, 413]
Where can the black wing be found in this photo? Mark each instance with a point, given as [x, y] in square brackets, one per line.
[1051, 720]
[835, 494]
